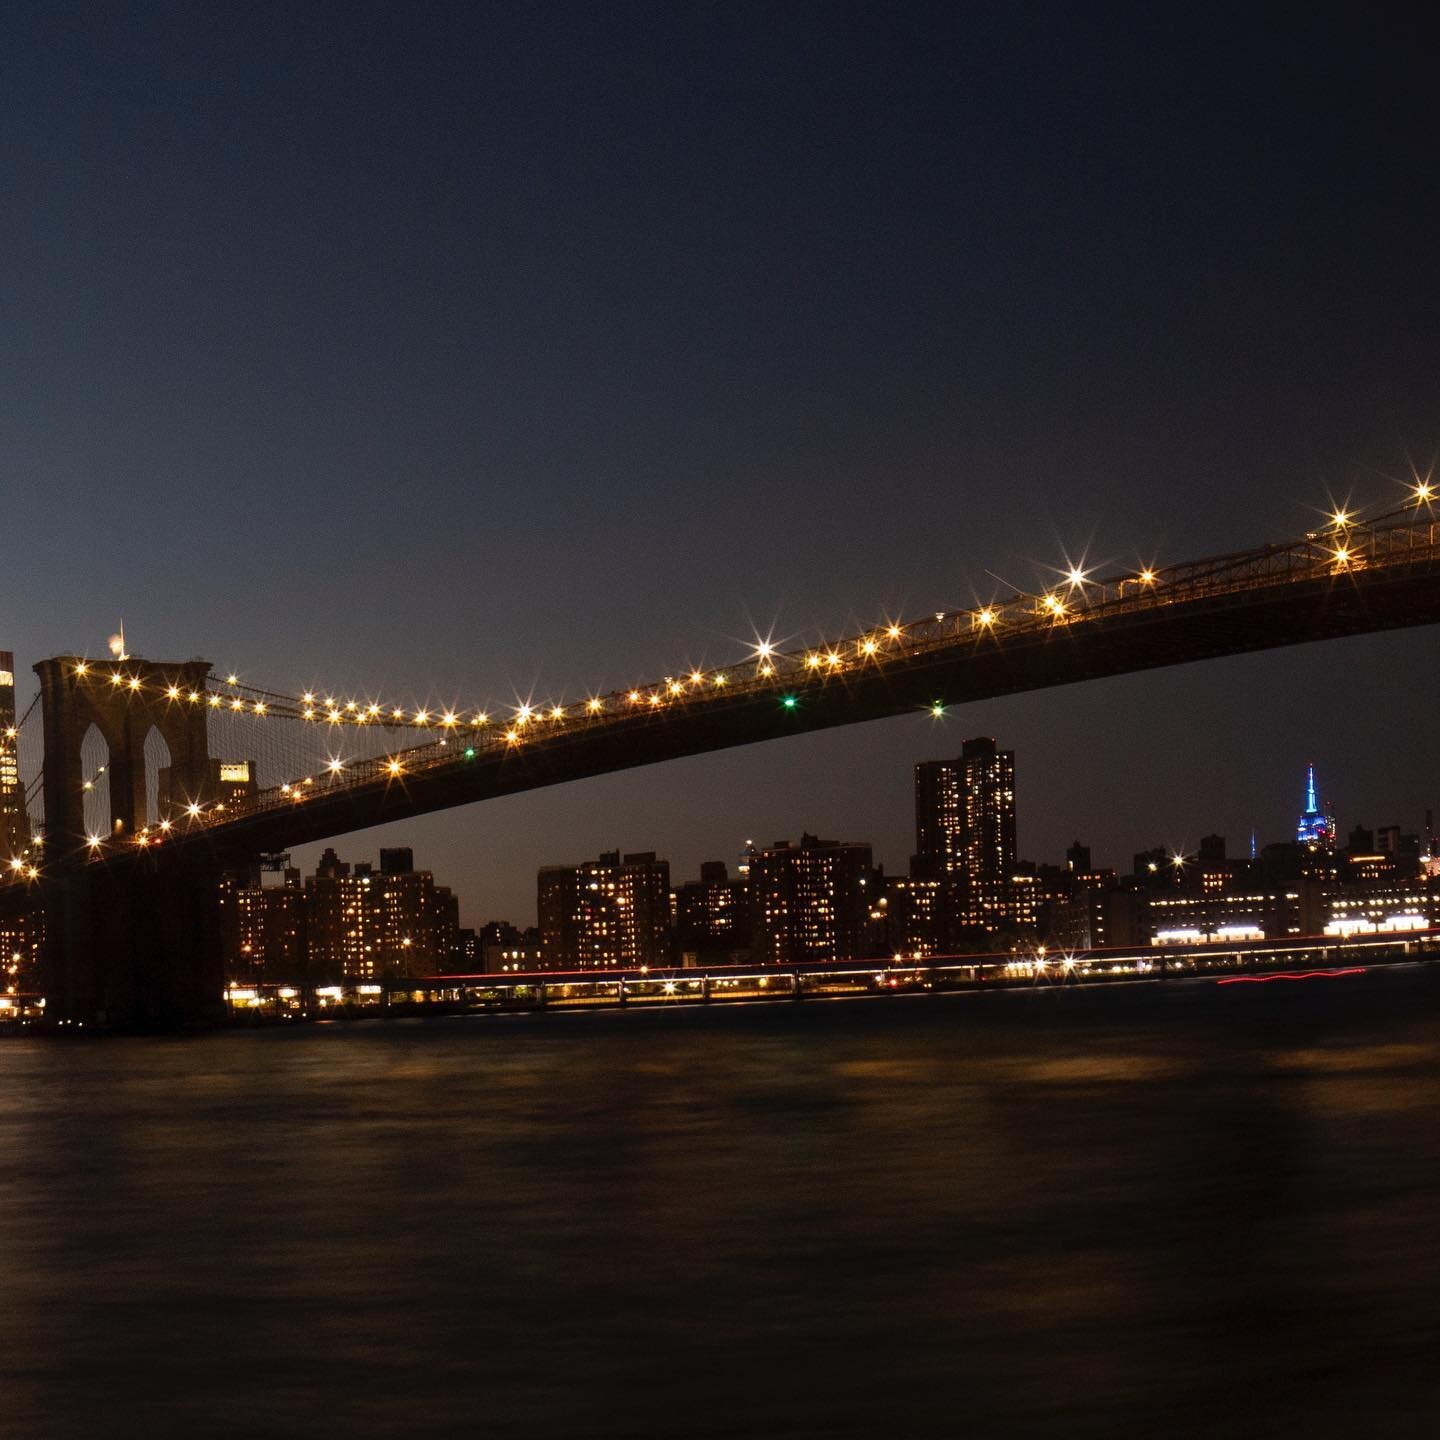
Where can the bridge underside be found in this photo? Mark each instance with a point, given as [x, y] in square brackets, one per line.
[1325, 609]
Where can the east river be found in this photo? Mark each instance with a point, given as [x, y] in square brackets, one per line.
[1152, 1209]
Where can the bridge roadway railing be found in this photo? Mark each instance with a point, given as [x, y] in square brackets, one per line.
[1338, 554]
[1292, 958]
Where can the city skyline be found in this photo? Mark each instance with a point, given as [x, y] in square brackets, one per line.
[474, 914]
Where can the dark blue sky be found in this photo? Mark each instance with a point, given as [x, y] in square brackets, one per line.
[465, 351]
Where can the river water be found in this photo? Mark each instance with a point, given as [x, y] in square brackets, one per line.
[1150, 1209]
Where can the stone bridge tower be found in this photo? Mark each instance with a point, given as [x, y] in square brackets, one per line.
[124, 700]
[131, 940]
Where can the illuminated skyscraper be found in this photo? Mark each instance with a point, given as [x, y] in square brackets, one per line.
[606, 912]
[14, 822]
[810, 901]
[965, 815]
[1316, 827]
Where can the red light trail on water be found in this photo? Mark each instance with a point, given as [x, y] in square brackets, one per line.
[1294, 975]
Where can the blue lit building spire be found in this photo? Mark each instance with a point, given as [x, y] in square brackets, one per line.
[1315, 828]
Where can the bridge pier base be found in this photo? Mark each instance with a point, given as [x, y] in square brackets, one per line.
[134, 947]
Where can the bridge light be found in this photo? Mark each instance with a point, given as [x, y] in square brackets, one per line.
[117, 678]
[868, 646]
[259, 707]
[985, 618]
[832, 659]
[634, 697]
[165, 825]
[33, 873]
[1424, 493]
[1342, 555]
[594, 705]
[1147, 577]
[767, 669]
[894, 632]
[89, 785]
[192, 809]
[17, 864]
[557, 712]
[397, 713]
[172, 692]
[812, 662]
[522, 713]
[696, 678]
[1075, 575]
[512, 736]
[676, 687]
[335, 766]
[788, 702]
[307, 713]
[329, 702]
[193, 697]
[237, 703]
[764, 649]
[134, 682]
[372, 708]
[232, 679]
[334, 716]
[655, 698]
[481, 718]
[937, 709]
[93, 841]
[448, 719]
[214, 702]
[308, 697]
[1054, 604]
[351, 706]
[81, 668]
[722, 680]
[285, 788]
[1341, 518]
[394, 767]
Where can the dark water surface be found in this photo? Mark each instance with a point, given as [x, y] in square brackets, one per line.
[1144, 1210]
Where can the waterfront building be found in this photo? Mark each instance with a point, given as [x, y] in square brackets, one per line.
[608, 913]
[712, 917]
[912, 916]
[504, 948]
[366, 924]
[263, 929]
[22, 937]
[810, 901]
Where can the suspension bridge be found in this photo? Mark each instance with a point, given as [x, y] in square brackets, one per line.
[125, 866]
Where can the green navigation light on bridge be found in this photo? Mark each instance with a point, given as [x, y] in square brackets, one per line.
[788, 702]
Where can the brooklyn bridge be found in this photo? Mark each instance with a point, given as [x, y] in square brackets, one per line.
[122, 819]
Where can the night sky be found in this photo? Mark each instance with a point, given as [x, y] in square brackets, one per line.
[467, 352]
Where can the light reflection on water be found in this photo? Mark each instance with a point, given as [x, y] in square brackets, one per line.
[1150, 1209]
